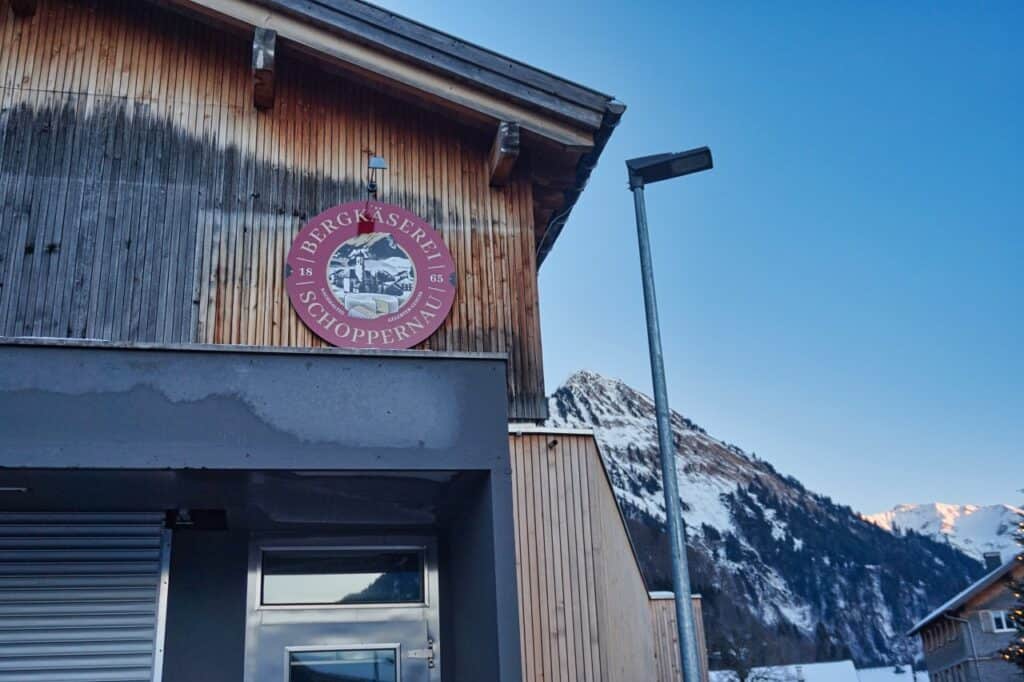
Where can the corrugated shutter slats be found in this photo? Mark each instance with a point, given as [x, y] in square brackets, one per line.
[79, 596]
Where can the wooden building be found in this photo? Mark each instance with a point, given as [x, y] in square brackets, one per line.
[963, 639]
[194, 483]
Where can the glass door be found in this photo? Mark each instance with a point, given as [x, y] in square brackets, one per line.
[351, 608]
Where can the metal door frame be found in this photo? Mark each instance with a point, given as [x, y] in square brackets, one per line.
[161, 606]
[284, 614]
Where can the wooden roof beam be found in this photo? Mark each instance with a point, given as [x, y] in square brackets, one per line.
[24, 8]
[263, 67]
[504, 152]
[361, 59]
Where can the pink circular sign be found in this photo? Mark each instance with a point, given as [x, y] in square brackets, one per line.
[370, 275]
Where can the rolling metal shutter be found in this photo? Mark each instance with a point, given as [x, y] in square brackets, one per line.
[82, 596]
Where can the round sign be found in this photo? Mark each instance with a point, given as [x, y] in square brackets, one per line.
[370, 275]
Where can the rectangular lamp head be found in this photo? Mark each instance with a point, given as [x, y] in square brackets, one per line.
[644, 170]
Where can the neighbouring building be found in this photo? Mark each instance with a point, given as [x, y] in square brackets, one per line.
[271, 385]
[962, 638]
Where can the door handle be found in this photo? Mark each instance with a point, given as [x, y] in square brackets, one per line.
[427, 653]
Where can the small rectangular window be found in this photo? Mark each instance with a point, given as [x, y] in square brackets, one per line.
[364, 665]
[1001, 622]
[329, 577]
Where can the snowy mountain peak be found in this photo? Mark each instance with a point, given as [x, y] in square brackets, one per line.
[773, 560]
[971, 528]
[599, 396]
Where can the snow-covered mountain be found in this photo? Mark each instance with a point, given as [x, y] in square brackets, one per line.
[786, 574]
[971, 528]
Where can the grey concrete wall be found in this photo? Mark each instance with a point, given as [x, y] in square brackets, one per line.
[170, 412]
[205, 637]
[206, 624]
[470, 651]
[225, 408]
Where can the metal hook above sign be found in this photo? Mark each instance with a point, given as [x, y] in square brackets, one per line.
[374, 164]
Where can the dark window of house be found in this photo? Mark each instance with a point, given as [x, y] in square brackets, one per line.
[342, 576]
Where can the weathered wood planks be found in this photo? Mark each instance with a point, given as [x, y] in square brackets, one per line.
[666, 639]
[143, 198]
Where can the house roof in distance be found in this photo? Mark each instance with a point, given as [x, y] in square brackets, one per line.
[892, 673]
[969, 593]
[831, 671]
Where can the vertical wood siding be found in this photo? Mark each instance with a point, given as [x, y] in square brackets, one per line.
[666, 639]
[556, 558]
[584, 611]
[143, 198]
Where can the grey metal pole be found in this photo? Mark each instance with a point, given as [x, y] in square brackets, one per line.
[673, 510]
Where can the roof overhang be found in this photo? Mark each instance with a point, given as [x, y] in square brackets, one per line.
[972, 590]
[565, 123]
[350, 34]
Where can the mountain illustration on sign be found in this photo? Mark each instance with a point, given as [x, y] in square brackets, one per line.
[371, 275]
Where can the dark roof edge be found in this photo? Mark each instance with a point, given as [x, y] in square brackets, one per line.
[612, 115]
[420, 44]
[965, 596]
[484, 50]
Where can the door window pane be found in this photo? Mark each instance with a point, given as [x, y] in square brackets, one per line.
[342, 576]
[357, 665]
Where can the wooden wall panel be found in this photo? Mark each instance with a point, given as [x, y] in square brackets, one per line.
[143, 198]
[556, 559]
[627, 640]
[584, 610]
[666, 638]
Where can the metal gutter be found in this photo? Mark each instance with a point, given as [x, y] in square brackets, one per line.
[587, 163]
[60, 342]
[663, 594]
[521, 429]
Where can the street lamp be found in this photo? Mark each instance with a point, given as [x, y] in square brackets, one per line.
[644, 170]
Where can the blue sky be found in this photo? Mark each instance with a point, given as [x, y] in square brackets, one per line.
[843, 293]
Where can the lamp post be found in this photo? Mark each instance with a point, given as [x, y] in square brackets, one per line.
[644, 170]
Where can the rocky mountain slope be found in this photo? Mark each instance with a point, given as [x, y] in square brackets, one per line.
[971, 528]
[786, 574]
